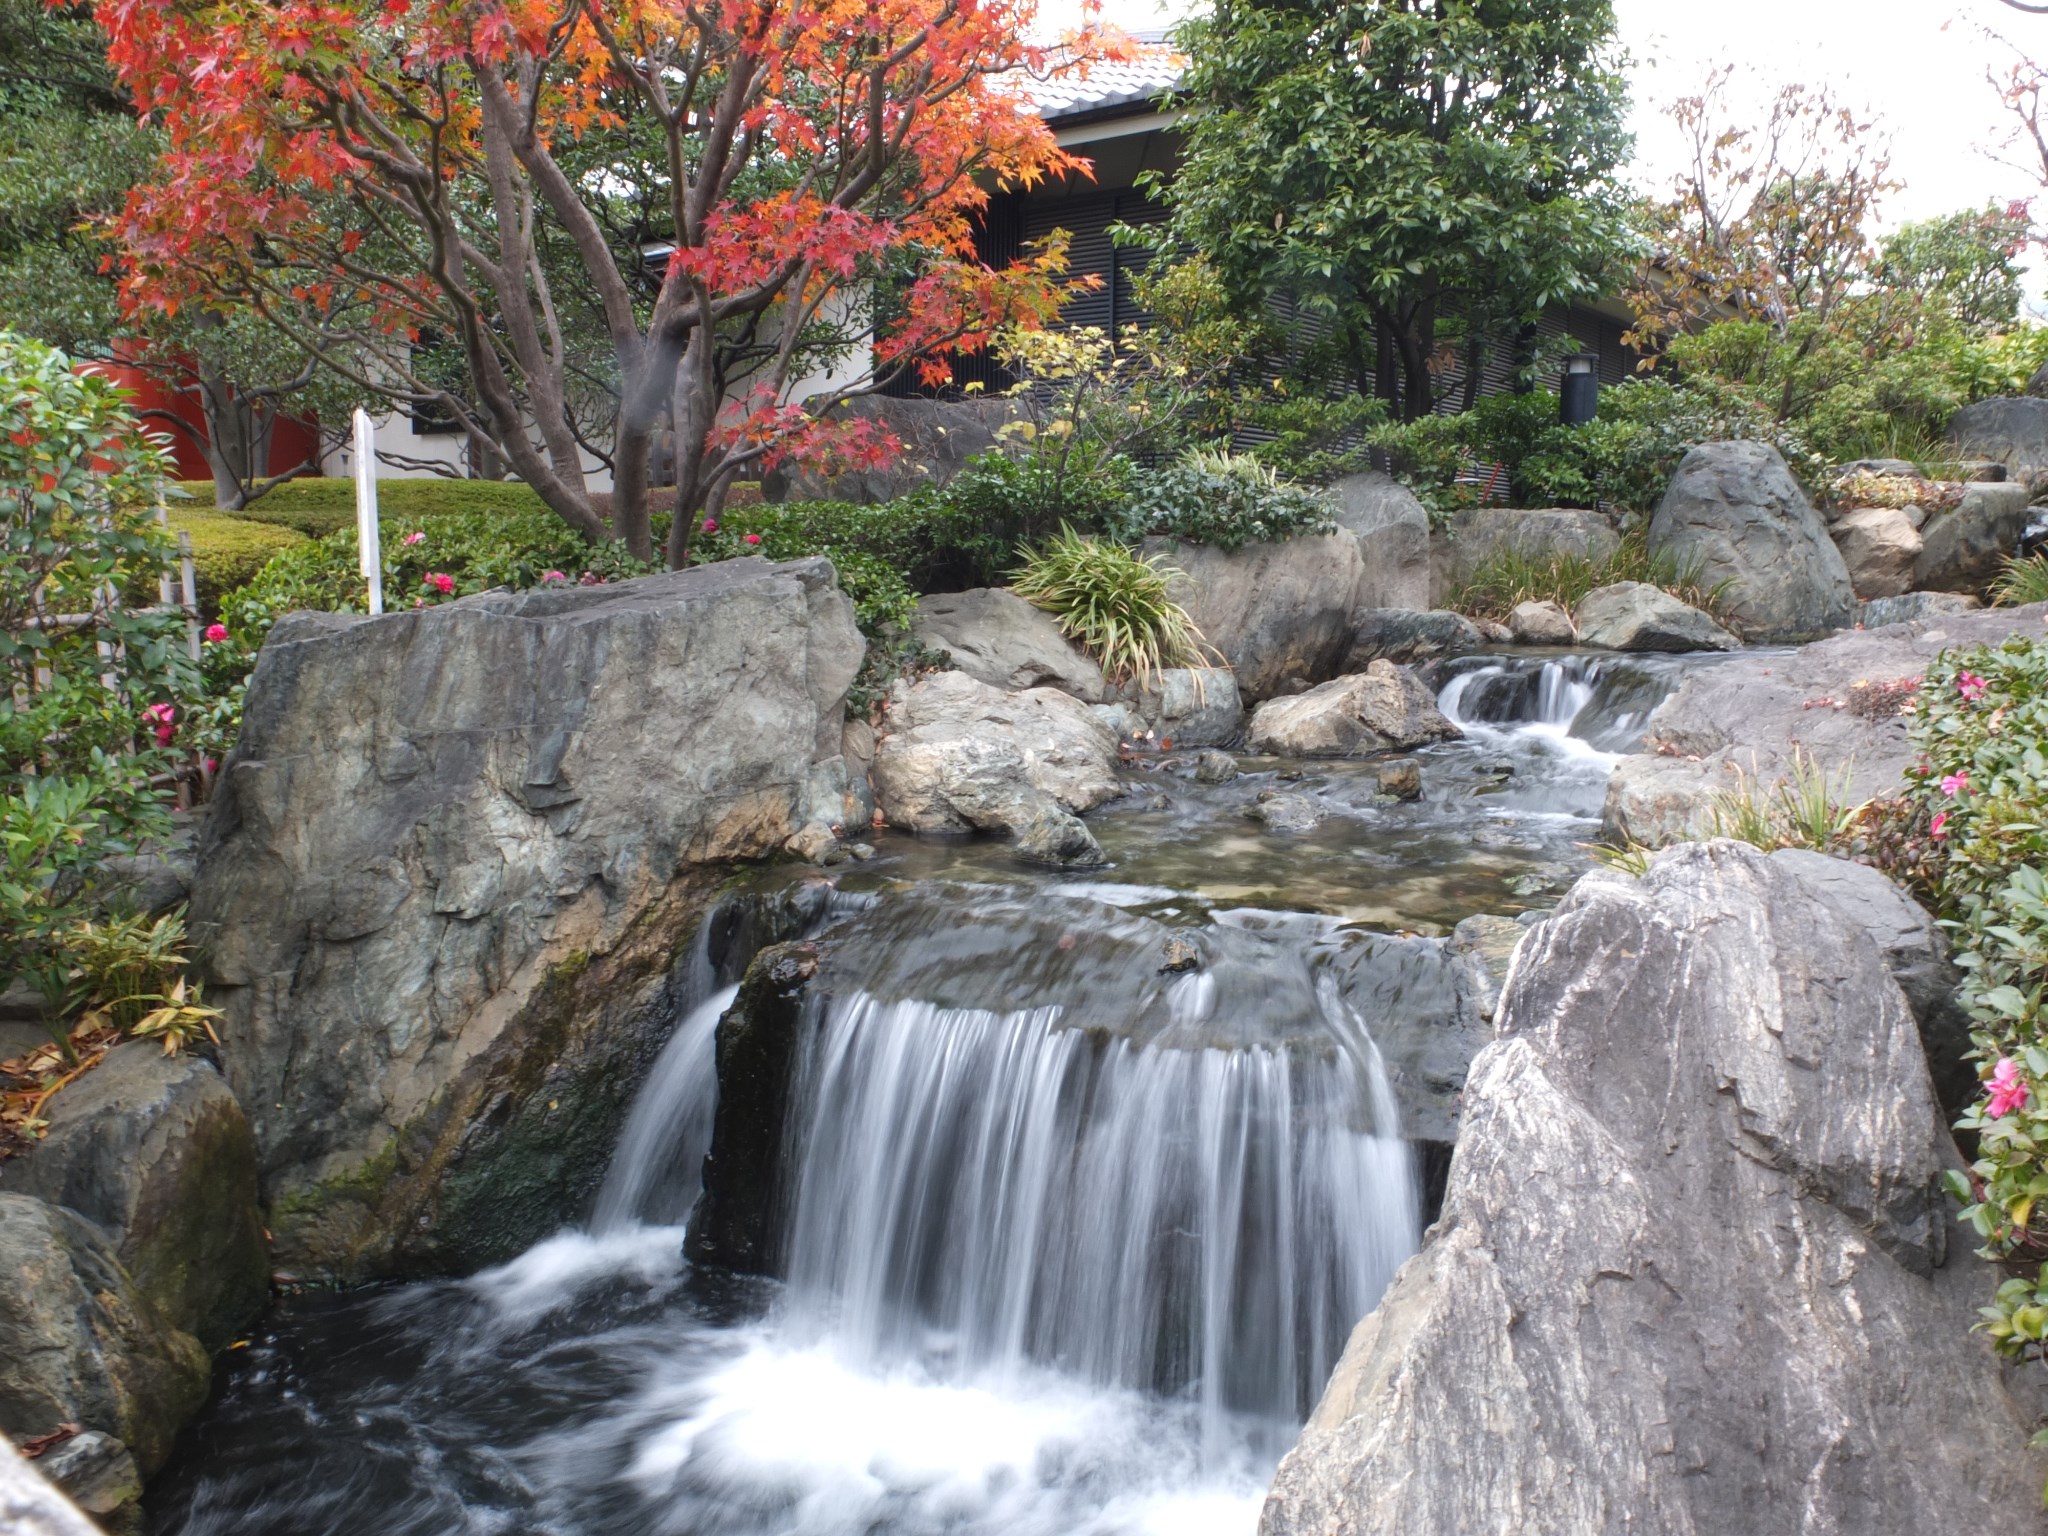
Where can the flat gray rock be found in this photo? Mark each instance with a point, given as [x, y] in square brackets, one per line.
[1694, 1270]
[1381, 709]
[1965, 548]
[1634, 616]
[1750, 715]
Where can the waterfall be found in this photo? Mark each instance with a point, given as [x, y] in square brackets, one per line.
[989, 1190]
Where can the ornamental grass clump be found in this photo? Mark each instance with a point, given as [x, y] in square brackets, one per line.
[2022, 582]
[1113, 603]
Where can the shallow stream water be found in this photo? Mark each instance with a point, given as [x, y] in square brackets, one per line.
[1076, 1236]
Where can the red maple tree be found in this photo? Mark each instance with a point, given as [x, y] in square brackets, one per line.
[387, 180]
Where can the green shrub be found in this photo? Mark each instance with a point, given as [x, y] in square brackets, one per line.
[1510, 578]
[228, 550]
[1624, 457]
[1112, 603]
[320, 506]
[1220, 499]
[999, 502]
[1975, 835]
[85, 682]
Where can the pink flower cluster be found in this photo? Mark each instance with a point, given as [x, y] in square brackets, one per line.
[753, 538]
[711, 525]
[440, 582]
[215, 633]
[553, 578]
[1955, 783]
[415, 537]
[1971, 686]
[2009, 1089]
[162, 722]
[1938, 828]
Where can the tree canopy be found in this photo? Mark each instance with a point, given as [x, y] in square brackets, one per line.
[723, 188]
[1424, 174]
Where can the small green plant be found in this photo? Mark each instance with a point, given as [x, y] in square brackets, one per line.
[124, 964]
[1510, 578]
[1215, 497]
[1113, 603]
[1801, 810]
[2021, 582]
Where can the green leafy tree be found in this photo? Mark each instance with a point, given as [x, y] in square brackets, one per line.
[1964, 265]
[1425, 175]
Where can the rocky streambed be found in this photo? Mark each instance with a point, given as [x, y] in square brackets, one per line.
[1039, 1182]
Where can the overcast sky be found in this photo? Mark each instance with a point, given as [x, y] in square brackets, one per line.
[1923, 80]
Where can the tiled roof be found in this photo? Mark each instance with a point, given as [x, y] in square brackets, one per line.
[1136, 83]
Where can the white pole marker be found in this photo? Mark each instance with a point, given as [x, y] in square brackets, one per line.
[369, 552]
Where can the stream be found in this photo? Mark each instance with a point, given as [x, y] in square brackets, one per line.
[1075, 1235]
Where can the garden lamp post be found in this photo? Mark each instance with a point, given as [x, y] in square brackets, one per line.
[1579, 399]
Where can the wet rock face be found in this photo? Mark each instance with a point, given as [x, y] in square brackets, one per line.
[1735, 509]
[156, 1151]
[1384, 708]
[739, 1220]
[1707, 1041]
[451, 863]
[1404, 636]
[80, 1344]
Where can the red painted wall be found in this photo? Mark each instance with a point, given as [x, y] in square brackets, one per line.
[291, 443]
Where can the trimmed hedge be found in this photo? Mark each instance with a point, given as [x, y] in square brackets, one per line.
[228, 550]
[317, 507]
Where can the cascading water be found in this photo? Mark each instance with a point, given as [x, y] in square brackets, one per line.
[1088, 1180]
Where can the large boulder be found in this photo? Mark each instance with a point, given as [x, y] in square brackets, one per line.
[1693, 1270]
[2012, 431]
[1476, 538]
[1832, 705]
[449, 869]
[960, 756]
[938, 438]
[1635, 616]
[156, 1151]
[1909, 606]
[79, 1344]
[1880, 546]
[1384, 708]
[1734, 510]
[1964, 548]
[995, 637]
[1280, 614]
[1392, 530]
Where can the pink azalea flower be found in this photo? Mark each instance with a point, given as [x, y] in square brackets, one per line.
[554, 576]
[2009, 1090]
[215, 633]
[213, 765]
[711, 525]
[415, 537]
[1971, 686]
[162, 720]
[441, 583]
[753, 538]
[1938, 828]
[1955, 784]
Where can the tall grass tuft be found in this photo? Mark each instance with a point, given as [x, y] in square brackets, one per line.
[2022, 581]
[1800, 811]
[1111, 602]
[1511, 577]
